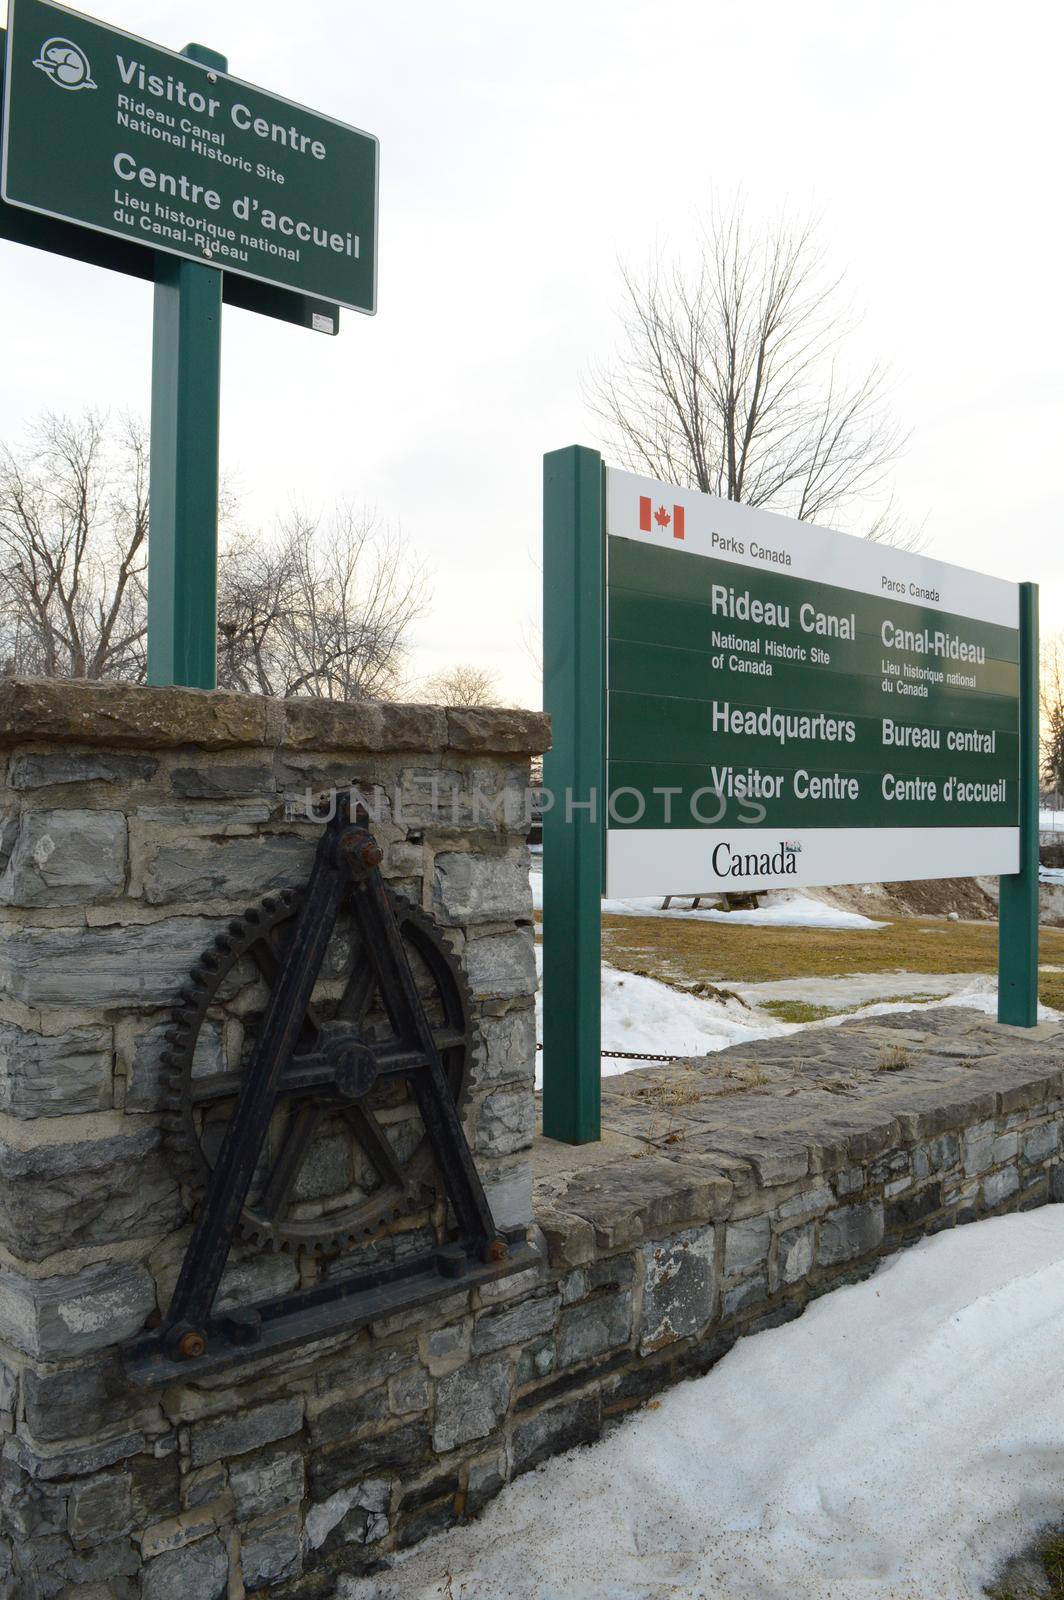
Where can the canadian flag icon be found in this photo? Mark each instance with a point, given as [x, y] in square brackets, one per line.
[661, 518]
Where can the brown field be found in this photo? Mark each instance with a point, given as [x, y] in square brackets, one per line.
[689, 953]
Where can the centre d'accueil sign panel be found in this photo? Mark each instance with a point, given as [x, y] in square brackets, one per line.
[788, 705]
[107, 131]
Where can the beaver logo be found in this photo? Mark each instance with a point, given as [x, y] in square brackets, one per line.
[66, 64]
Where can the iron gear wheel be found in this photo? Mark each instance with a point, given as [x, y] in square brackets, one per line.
[389, 1168]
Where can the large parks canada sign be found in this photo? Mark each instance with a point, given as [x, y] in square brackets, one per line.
[741, 701]
[788, 705]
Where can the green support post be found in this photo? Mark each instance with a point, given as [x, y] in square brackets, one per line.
[185, 387]
[1018, 897]
[573, 773]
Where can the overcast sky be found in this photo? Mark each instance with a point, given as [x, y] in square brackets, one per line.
[523, 151]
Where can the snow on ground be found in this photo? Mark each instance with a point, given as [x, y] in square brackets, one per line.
[779, 909]
[1051, 822]
[899, 1441]
[642, 1014]
[859, 988]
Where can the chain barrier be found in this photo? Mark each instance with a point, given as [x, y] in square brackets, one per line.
[634, 1055]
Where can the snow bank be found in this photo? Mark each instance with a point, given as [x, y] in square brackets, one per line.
[897, 1442]
[780, 909]
[642, 1014]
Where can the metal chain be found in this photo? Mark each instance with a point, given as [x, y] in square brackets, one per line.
[634, 1055]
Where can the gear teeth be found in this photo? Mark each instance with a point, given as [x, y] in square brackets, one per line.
[228, 949]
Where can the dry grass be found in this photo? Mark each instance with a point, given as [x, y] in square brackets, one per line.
[689, 953]
[1048, 1555]
[802, 1011]
[683, 1092]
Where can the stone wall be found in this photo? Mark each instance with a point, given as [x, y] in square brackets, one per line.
[726, 1193]
[134, 825]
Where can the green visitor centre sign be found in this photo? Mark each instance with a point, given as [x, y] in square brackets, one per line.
[109, 132]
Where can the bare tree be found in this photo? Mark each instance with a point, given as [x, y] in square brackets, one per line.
[462, 685]
[323, 610]
[730, 381]
[73, 550]
[1051, 699]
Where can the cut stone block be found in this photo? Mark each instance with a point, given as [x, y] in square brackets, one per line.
[470, 888]
[54, 1075]
[66, 858]
[70, 1315]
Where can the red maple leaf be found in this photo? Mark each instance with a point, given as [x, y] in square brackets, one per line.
[662, 517]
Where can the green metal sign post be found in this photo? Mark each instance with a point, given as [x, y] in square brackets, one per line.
[1018, 892]
[130, 156]
[185, 398]
[573, 693]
